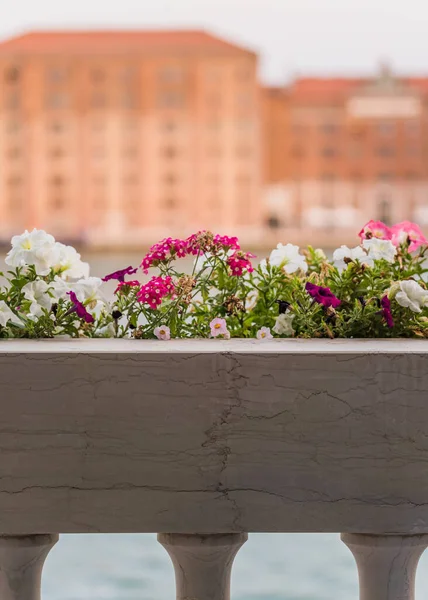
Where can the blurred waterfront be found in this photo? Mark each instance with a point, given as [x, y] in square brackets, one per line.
[268, 567]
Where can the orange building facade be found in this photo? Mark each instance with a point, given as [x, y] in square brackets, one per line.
[125, 137]
[342, 151]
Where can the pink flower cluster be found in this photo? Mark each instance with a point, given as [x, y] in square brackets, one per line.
[239, 262]
[197, 243]
[153, 292]
[164, 250]
[400, 233]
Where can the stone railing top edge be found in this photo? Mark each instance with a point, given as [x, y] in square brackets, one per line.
[206, 346]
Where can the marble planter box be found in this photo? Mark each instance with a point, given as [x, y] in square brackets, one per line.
[214, 436]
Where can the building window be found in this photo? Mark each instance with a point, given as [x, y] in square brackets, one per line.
[329, 128]
[170, 179]
[297, 152]
[385, 151]
[328, 152]
[12, 75]
[14, 182]
[57, 74]
[129, 100]
[57, 181]
[57, 203]
[171, 74]
[98, 100]
[127, 75]
[12, 127]
[355, 149]
[57, 126]
[273, 222]
[57, 100]
[385, 177]
[13, 101]
[14, 152]
[131, 180]
[98, 75]
[412, 150]
[386, 128]
[170, 152]
[384, 210]
[57, 152]
[170, 203]
[171, 99]
[412, 128]
[169, 126]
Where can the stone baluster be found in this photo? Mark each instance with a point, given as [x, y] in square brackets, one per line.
[21, 563]
[202, 563]
[386, 564]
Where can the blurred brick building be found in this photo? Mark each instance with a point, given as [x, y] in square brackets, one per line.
[124, 137]
[342, 151]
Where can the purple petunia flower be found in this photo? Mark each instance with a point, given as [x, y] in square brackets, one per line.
[120, 275]
[80, 309]
[386, 311]
[322, 295]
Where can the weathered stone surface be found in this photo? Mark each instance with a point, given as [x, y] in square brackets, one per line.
[211, 437]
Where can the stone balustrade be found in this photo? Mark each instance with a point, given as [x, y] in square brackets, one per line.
[205, 441]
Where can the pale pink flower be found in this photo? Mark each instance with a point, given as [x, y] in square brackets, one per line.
[218, 327]
[406, 230]
[162, 332]
[375, 229]
[264, 334]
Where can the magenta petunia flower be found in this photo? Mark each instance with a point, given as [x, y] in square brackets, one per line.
[120, 275]
[79, 308]
[386, 311]
[322, 295]
[408, 231]
[375, 229]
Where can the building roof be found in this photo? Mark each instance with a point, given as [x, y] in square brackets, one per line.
[325, 90]
[118, 42]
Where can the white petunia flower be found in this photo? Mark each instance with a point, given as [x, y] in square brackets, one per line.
[37, 293]
[36, 248]
[380, 249]
[412, 295]
[59, 288]
[288, 258]
[88, 290]
[70, 265]
[352, 254]
[251, 299]
[108, 331]
[284, 324]
[320, 254]
[6, 314]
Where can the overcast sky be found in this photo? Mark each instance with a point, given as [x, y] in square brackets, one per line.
[292, 36]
